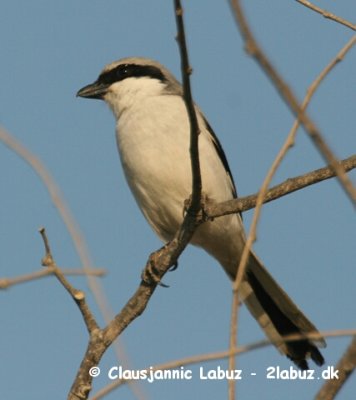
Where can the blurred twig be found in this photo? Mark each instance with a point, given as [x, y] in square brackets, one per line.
[327, 14]
[6, 283]
[58, 200]
[345, 367]
[290, 99]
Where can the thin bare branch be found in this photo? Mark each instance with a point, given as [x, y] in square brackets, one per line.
[327, 14]
[77, 295]
[188, 99]
[6, 283]
[69, 221]
[233, 343]
[290, 99]
[288, 186]
[345, 367]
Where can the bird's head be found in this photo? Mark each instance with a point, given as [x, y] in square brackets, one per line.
[123, 82]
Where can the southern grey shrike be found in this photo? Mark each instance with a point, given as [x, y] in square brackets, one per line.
[153, 135]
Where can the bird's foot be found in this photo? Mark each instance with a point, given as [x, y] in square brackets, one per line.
[201, 215]
[151, 274]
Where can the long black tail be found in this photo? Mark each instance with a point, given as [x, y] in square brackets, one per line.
[278, 316]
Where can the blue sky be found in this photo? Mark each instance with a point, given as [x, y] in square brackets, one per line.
[50, 50]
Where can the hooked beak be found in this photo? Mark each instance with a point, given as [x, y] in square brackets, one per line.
[95, 90]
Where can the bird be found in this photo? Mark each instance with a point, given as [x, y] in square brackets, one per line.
[153, 137]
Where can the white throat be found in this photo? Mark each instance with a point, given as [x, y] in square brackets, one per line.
[124, 94]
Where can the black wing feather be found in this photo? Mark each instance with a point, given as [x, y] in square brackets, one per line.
[221, 155]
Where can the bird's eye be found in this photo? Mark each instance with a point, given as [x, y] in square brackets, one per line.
[117, 74]
[123, 72]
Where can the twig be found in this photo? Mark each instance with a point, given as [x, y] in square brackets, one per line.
[59, 202]
[188, 100]
[6, 283]
[290, 99]
[233, 343]
[288, 186]
[327, 14]
[77, 295]
[345, 367]
[219, 355]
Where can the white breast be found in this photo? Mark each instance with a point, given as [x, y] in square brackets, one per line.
[153, 140]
